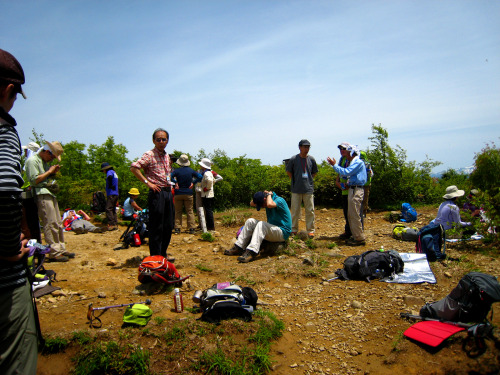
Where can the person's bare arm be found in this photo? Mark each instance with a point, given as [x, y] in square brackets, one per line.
[52, 170]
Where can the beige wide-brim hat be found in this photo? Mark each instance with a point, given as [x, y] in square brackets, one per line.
[206, 163]
[453, 192]
[56, 149]
[183, 161]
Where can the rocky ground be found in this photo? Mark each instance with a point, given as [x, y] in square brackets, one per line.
[337, 327]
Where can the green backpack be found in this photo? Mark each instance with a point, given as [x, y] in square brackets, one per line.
[137, 314]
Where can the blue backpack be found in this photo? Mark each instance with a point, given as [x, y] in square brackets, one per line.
[430, 240]
[408, 213]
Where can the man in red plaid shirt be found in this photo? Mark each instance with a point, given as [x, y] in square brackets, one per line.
[156, 165]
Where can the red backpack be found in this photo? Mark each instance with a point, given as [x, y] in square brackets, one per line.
[157, 268]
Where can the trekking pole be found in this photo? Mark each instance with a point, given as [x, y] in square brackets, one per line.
[333, 278]
[91, 314]
[418, 317]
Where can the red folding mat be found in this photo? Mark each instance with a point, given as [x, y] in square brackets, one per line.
[431, 333]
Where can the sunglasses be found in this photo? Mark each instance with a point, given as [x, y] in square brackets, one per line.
[161, 139]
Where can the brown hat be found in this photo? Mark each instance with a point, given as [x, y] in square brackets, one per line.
[11, 71]
[56, 149]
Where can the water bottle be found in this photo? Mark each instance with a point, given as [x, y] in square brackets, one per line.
[382, 248]
[179, 305]
[137, 239]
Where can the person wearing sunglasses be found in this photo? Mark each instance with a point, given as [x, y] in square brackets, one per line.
[157, 168]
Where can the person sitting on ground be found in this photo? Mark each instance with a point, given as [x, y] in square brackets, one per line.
[80, 222]
[277, 228]
[130, 206]
[448, 213]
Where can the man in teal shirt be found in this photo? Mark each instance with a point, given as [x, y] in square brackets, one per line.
[277, 228]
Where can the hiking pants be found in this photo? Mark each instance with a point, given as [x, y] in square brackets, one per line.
[255, 231]
[345, 208]
[18, 342]
[186, 201]
[296, 203]
[161, 220]
[354, 210]
[111, 201]
[208, 205]
[53, 228]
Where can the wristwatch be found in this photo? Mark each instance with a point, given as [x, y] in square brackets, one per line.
[146, 181]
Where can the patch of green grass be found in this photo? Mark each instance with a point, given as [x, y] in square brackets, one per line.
[310, 243]
[82, 337]
[207, 236]
[244, 280]
[249, 360]
[233, 218]
[270, 327]
[397, 341]
[203, 268]
[159, 320]
[176, 334]
[332, 245]
[55, 345]
[112, 358]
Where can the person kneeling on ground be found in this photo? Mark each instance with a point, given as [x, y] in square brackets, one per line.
[130, 207]
[277, 228]
[80, 223]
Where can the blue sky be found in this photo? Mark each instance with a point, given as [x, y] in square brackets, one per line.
[254, 77]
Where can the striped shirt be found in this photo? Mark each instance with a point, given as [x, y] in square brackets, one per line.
[156, 166]
[12, 274]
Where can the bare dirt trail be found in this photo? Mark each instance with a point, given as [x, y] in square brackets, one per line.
[333, 327]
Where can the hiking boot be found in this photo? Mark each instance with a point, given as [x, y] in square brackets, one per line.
[99, 230]
[235, 250]
[311, 235]
[344, 236]
[60, 258]
[247, 256]
[177, 231]
[112, 227]
[69, 255]
[79, 230]
[353, 242]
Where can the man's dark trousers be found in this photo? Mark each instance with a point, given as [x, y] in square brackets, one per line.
[161, 221]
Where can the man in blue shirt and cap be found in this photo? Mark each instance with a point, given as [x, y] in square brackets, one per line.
[356, 173]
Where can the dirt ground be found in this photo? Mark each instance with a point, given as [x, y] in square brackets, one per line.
[337, 327]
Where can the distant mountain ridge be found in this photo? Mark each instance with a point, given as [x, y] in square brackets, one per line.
[464, 170]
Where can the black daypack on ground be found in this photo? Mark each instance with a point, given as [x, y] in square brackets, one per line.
[430, 240]
[469, 302]
[98, 202]
[227, 301]
[372, 264]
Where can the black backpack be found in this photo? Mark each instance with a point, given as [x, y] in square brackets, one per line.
[227, 301]
[98, 202]
[430, 240]
[469, 301]
[372, 264]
